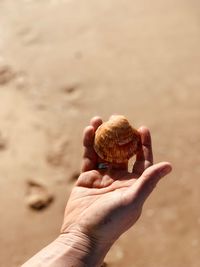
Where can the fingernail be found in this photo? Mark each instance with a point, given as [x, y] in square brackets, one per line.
[167, 169]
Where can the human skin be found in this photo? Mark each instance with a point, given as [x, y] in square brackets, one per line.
[102, 206]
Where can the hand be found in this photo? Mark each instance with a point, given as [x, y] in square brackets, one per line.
[102, 205]
[105, 203]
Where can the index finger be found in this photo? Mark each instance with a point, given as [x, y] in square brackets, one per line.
[89, 161]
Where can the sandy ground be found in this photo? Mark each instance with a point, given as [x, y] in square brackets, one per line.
[62, 62]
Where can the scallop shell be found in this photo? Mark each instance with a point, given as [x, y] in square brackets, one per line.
[115, 140]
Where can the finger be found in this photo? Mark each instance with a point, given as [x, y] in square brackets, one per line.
[90, 179]
[89, 156]
[96, 122]
[146, 183]
[144, 157]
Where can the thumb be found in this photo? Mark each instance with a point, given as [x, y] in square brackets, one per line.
[146, 183]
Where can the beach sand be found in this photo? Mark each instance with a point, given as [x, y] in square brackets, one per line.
[63, 62]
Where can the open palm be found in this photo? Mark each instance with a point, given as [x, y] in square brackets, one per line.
[105, 203]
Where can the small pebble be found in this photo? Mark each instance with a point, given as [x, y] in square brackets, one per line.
[39, 201]
[38, 196]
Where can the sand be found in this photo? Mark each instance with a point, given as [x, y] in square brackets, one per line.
[64, 61]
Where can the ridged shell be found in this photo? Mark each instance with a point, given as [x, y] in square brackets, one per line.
[115, 140]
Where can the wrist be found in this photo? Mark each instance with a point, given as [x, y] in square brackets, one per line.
[72, 249]
[82, 250]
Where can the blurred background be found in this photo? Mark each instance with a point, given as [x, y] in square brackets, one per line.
[64, 61]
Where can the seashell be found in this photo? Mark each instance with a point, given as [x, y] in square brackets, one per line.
[116, 141]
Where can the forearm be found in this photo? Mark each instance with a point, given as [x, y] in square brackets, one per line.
[69, 251]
